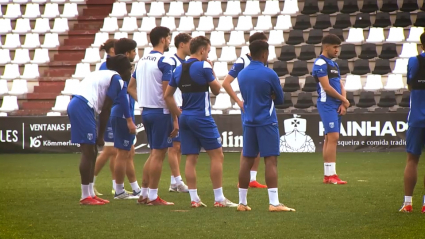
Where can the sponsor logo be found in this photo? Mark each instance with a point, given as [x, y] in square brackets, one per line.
[9, 136]
[35, 142]
[295, 138]
[369, 128]
[50, 127]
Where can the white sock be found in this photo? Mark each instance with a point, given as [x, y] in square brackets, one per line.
[218, 195]
[407, 200]
[179, 180]
[253, 175]
[194, 195]
[145, 192]
[242, 196]
[173, 180]
[135, 187]
[424, 200]
[114, 184]
[119, 188]
[273, 196]
[91, 190]
[94, 179]
[330, 169]
[153, 194]
[85, 193]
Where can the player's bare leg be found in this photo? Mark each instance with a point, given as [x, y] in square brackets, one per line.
[174, 158]
[246, 166]
[108, 152]
[120, 169]
[253, 173]
[143, 199]
[87, 162]
[410, 178]
[131, 174]
[155, 170]
[329, 158]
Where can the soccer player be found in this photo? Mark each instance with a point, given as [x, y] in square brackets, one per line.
[416, 132]
[148, 84]
[182, 43]
[94, 97]
[239, 65]
[260, 89]
[197, 126]
[331, 103]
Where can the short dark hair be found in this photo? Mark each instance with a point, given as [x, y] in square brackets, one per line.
[157, 33]
[423, 39]
[181, 38]
[256, 48]
[110, 43]
[124, 45]
[198, 42]
[257, 36]
[119, 63]
[331, 39]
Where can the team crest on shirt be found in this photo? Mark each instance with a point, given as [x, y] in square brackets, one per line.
[331, 125]
[90, 136]
[126, 143]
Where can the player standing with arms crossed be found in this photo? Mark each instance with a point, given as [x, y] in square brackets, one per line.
[239, 65]
[415, 136]
[260, 89]
[331, 103]
[148, 85]
[198, 128]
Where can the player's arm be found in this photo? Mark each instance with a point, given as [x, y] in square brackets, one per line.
[166, 65]
[324, 81]
[230, 77]
[277, 89]
[412, 69]
[103, 119]
[132, 88]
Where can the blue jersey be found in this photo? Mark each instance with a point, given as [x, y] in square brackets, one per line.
[122, 107]
[239, 65]
[257, 84]
[320, 69]
[196, 103]
[416, 116]
[103, 65]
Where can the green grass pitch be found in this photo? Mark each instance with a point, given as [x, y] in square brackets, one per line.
[40, 193]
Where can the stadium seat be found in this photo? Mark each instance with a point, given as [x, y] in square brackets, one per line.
[290, 7]
[119, 9]
[237, 38]
[61, 103]
[129, 24]
[228, 54]
[41, 56]
[373, 83]
[3, 87]
[400, 66]
[5, 26]
[387, 99]
[119, 35]
[81, 70]
[110, 24]
[217, 38]
[58, 1]
[389, 6]
[302, 22]
[147, 50]
[216, 112]
[295, 37]
[22, 56]
[244, 23]
[299, 68]
[310, 7]
[382, 19]
[281, 68]
[382, 67]
[310, 84]
[171, 51]
[30, 72]
[409, 6]
[402, 19]
[197, 33]
[276, 38]
[343, 66]
[157, 9]
[9, 104]
[355, 35]
[264, 23]
[337, 32]
[405, 99]
[141, 38]
[51, 10]
[388, 51]
[353, 83]
[233, 8]
[213, 9]
[41, 25]
[100, 38]
[420, 19]
[235, 87]
[234, 112]
[137, 109]
[348, 51]
[283, 22]
[186, 24]
[148, 23]
[205, 24]
[415, 34]
[53, 114]
[376, 34]
[361, 67]
[307, 53]
[222, 102]
[366, 100]
[423, 7]
[194, 9]
[71, 86]
[220, 69]
[323, 21]
[287, 102]
[292, 84]
[362, 20]
[252, 8]
[272, 54]
[396, 34]
[350, 6]
[91, 56]
[315, 36]
[304, 100]
[287, 53]
[32, 41]
[342, 21]
[368, 51]
[409, 50]
[70, 10]
[32, 11]
[13, 11]
[19, 87]
[272, 8]
[329, 7]
[22, 26]
[369, 6]
[12, 41]
[60, 25]
[176, 9]
[51, 40]
[138, 9]
[212, 55]
[4, 56]
[350, 98]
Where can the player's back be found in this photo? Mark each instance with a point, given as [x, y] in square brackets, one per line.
[178, 94]
[326, 67]
[416, 81]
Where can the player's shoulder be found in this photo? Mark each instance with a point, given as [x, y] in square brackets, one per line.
[240, 60]
[166, 60]
[320, 62]
[205, 64]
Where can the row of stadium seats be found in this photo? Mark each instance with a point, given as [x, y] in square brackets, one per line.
[32, 41]
[32, 11]
[42, 25]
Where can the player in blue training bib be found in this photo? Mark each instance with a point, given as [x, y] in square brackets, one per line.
[331, 103]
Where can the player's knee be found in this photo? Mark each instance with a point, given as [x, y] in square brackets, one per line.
[413, 158]
[123, 154]
[271, 160]
[177, 148]
[332, 138]
[158, 154]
